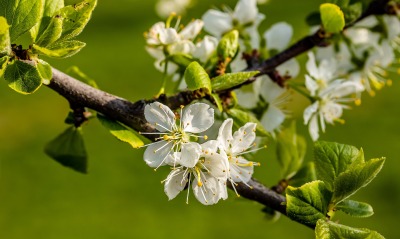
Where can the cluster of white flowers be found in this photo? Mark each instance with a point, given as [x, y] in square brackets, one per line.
[206, 167]
[164, 8]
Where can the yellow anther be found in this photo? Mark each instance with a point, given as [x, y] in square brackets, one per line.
[244, 132]
[372, 93]
[199, 183]
[182, 106]
[166, 137]
[357, 102]
[205, 137]
[398, 70]
[389, 82]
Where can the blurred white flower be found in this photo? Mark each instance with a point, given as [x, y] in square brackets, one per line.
[330, 95]
[164, 8]
[205, 48]
[175, 135]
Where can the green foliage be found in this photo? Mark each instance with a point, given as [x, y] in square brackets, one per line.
[74, 71]
[349, 182]
[308, 203]
[332, 18]
[22, 15]
[120, 132]
[330, 230]
[230, 80]
[355, 209]
[217, 101]
[182, 60]
[45, 71]
[305, 175]
[69, 150]
[48, 15]
[22, 77]
[352, 12]
[5, 45]
[291, 149]
[242, 117]
[3, 64]
[228, 46]
[331, 159]
[61, 49]
[196, 77]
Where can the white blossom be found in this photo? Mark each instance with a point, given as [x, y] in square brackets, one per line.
[164, 8]
[176, 133]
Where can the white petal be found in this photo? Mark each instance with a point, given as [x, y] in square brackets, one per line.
[182, 47]
[239, 64]
[168, 36]
[311, 66]
[191, 30]
[270, 90]
[240, 173]
[217, 164]
[156, 153]
[217, 23]
[175, 183]
[246, 99]
[243, 138]
[246, 11]
[225, 134]
[190, 154]
[159, 115]
[311, 85]
[197, 117]
[278, 36]
[310, 111]
[327, 69]
[273, 118]
[290, 67]
[313, 128]
[205, 48]
[210, 192]
[210, 146]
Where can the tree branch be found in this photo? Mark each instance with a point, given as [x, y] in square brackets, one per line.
[132, 114]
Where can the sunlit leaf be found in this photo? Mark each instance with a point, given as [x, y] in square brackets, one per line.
[230, 80]
[332, 17]
[120, 132]
[61, 50]
[355, 209]
[196, 77]
[45, 71]
[330, 230]
[308, 203]
[3, 64]
[21, 15]
[228, 46]
[75, 71]
[22, 77]
[49, 8]
[5, 44]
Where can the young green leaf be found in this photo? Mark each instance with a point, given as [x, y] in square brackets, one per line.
[45, 71]
[22, 77]
[51, 33]
[76, 72]
[3, 64]
[22, 15]
[308, 203]
[49, 9]
[290, 150]
[332, 17]
[69, 149]
[352, 12]
[75, 17]
[5, 44]
[230, 80]
[182, 60]
[228, 46]
[305, 175]
[120, 132]
[355, 209]
[196, 77]
[242, 117]
[349, 182]
[61, 49]
[218, 102]
[330, 230]
[331, 159]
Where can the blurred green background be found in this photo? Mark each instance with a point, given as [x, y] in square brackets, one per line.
[121, 197]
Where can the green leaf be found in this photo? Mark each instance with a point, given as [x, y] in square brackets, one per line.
[290, 150]
[352, 12]
[5, 44]
[61, 49]
[242, 117]
[196, 77]
[51, 33]
[120, 132]
[305, 175]
[228, 46]
[22, 15]
[45, 71]
[69, 150]
[331, 159]
[308, 203]
[218, 102]
[313, 19]
[230, 80]
[182, 60]
[22, 77]
[332, 17]
[349, 182]
[330, 230]
[3, 64]
[49, 9]
[75, 17]
[75, 71]
[355, 209]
